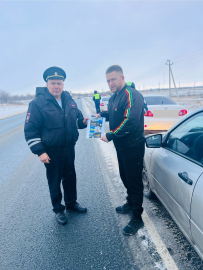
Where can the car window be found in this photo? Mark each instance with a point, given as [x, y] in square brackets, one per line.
[187, 139]
[159, 100]
[105, 99]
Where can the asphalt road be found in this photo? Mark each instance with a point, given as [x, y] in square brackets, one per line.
[30, 237]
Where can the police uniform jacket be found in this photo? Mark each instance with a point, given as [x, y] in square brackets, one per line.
[48, 127]
[126, 118]
[96, 98]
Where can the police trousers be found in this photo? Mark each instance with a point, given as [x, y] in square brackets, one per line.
[62, 169]
[130, 162]
[97, 106]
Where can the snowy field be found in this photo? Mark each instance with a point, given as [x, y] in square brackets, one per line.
[8, 110]
[191, 99]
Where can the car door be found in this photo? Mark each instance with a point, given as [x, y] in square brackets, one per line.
[197, 217]
[174, 170]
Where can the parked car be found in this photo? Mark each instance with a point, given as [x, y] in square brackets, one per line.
[104, 101]
[173, 171]
[163, 112]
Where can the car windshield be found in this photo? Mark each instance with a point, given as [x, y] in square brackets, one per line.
[159, 100]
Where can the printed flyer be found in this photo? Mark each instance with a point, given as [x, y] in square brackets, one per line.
[95, 127]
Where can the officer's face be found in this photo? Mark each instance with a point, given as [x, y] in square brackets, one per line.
[55, 88]
[115, 81]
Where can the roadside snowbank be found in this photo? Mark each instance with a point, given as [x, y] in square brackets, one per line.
[7, 110]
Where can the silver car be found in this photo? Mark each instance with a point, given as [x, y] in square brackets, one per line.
[173, 171]
[104, 103]
[163, 112]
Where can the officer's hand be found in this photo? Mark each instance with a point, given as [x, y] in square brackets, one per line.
[44, 158]
[104, 138]
[85, 120]
[97, 115]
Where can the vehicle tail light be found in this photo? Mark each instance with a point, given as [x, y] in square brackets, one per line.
[149, 114]
[182, 112]
[101, 104]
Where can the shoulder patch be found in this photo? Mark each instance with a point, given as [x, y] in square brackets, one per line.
[27, 118]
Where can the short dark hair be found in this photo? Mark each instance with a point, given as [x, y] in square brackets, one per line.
[114, 68]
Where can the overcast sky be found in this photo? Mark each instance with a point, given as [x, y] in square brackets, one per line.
[86, 37]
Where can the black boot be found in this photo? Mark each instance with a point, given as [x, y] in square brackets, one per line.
[77, 208]
[124, 209]
[61, 218]
[133, 226]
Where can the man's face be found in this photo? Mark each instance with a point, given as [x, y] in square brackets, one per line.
[115, 81]
[55, 88]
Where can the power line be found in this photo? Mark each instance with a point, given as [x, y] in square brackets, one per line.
[187, 54]
[149, 74]
[188, 58]
[159, 68]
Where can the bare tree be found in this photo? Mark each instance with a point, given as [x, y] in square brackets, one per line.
[4, 97]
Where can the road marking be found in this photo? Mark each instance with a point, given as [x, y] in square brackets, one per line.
[109, 152]
[160, 246]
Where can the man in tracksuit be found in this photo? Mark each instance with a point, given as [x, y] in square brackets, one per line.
[126, 120]
[96, 98]
[51, 131]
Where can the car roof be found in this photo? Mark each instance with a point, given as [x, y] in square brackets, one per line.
[156, 96]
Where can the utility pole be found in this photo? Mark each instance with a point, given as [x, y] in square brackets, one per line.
[175, 85]
[171, 74]
[169, 64]
[159, 86]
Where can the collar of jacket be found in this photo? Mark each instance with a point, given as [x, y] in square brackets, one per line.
[125, 86]
[64, 96]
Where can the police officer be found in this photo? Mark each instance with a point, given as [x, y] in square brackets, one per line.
[96, 99]
[126, 120]
[51, 131]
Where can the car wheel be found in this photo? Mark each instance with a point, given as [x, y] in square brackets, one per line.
[147, 189]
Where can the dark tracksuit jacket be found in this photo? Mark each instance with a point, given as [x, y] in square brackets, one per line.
[126, 121]
[54, 130]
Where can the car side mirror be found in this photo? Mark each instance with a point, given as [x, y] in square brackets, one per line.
[154, 141]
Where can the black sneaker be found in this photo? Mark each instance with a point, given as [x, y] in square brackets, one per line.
[124, 209]
[61, 218]
[133, 226]
[77, 208]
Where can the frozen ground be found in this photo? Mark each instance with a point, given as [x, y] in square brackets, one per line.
[8, 110]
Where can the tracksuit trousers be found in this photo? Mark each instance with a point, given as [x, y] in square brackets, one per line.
[62, 169]
[130, 162]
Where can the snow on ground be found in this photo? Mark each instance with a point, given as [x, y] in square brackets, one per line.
[8, 110]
